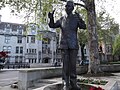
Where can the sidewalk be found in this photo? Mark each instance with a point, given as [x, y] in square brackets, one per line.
[43, 82]
[7, 88]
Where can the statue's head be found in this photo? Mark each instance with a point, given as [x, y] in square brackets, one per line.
[69, 7]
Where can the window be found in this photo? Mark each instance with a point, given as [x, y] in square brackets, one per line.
[39, 52]
[16, 59]
[43, 50]
[8, 25]
[9, 49]
[7, 39]
[27, 50]
[33, 28]
[29, 60]
[32, 50]
[21, 49]
[19, 40]
[27, 39]
[109, 48]
[58, 51]
[35, 50]
[14, 28]
[17, 49]
[19, 31]
[4, 48]
[7, 30]
[35, 60]
[32, 60]
[21, 58]
[33, 39]
[1, 26]
[48, 49]
[8, 59]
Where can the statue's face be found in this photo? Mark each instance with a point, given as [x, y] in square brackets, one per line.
[69, 7]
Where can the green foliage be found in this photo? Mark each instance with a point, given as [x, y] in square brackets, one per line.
[116, 46]
[107, 27]
[115, 62]
[36, 9]
[82, 37]
[82, 34]
[92, 81]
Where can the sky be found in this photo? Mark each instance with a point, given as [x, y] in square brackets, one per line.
[8, 17]
[110, 6]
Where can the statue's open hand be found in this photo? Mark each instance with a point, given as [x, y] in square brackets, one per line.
[50, 14]
[77, 14]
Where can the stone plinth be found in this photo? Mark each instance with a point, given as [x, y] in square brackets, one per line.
[28, 77]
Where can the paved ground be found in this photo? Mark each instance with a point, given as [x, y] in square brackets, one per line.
[7, 77]
[7, 83]
[116, 77]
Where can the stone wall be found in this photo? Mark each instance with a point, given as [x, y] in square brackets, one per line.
[28, 77]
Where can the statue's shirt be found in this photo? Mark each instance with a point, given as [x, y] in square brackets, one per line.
[69, 26]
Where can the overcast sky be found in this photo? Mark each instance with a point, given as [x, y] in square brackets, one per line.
[110, 6]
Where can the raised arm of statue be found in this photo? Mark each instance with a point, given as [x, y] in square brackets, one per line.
[53, 24]
[81, 23]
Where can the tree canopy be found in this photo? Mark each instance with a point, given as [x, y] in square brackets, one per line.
[107, 27]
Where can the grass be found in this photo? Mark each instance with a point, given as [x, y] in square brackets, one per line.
[92, 81]
[118, 62]
[115, 62]
[98, 74]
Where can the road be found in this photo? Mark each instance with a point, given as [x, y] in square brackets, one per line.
[8, 77]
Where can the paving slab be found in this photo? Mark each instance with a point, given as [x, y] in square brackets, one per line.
[44, 82]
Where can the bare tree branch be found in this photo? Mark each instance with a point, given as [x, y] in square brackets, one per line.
[83, 1]
[80, 5]
[64, 0]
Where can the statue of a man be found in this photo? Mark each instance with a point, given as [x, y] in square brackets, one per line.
[68, 44]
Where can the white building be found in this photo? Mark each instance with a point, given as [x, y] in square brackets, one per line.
[12, 40]
[30, 45]
[40, 45]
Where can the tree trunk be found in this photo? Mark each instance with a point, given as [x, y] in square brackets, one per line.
[92, 38]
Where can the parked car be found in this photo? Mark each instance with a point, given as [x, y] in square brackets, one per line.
[84, 62]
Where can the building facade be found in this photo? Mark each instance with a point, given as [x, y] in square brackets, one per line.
[30, 44]
[41, 46]
[12, 41]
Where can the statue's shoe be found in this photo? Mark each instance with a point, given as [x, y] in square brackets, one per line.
[76, 87]
[66, 88]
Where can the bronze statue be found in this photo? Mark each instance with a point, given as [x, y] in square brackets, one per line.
[68, 44]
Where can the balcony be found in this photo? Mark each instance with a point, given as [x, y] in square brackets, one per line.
[30, 55]
[47, 55]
